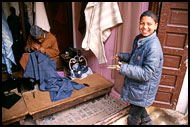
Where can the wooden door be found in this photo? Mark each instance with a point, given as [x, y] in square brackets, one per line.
[60, 18]
[173, 35]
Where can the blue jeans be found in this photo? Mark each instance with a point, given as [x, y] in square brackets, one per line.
[136, 113]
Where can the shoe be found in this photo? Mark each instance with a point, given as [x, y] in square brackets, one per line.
[131, 120]
[147, 123]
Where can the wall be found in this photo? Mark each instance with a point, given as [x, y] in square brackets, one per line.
[77, 37]
[182, 105]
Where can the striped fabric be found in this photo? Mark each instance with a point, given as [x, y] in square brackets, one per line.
[7, 42]
[100, 17]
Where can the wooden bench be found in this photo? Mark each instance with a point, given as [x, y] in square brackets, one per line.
[41, 105]
[16, 113]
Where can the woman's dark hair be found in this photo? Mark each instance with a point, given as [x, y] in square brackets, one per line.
[150, 14]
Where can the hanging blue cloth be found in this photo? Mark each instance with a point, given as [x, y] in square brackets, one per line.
[7, 42]
[41, 67]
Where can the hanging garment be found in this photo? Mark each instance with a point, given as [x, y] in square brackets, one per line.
[7, 42]
[100, 17]
[41, 67]
[41, 19]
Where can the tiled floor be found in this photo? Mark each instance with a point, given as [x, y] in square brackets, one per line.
[87, 113]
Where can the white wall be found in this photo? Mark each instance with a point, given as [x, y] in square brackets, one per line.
[182, 104]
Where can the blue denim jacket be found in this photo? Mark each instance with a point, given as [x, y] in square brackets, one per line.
[142, 71]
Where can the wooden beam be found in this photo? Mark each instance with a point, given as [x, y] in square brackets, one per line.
[21, 9]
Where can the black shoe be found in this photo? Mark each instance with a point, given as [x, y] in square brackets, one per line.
[131, 120]
[147, 123]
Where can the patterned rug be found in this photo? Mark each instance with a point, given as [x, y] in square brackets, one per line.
[91, 112]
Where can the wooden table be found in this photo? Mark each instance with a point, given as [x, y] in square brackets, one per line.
[42, 105]
[16, 113]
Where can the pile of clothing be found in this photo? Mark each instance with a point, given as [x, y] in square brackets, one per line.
[41, 67]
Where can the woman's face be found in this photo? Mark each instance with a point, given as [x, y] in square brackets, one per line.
[147, 25]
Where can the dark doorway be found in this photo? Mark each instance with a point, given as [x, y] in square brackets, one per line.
[60, 19]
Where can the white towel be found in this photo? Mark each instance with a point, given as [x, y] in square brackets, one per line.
[41, 19]
[100, 17]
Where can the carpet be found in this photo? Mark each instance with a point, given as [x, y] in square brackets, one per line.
[96, 111]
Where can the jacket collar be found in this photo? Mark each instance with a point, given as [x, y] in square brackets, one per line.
[145, 39]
